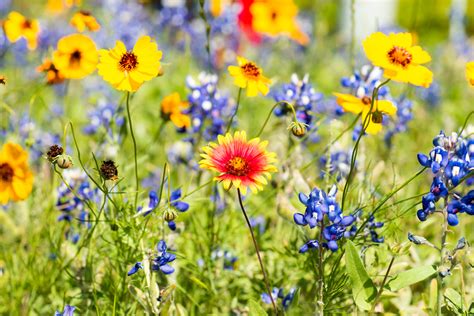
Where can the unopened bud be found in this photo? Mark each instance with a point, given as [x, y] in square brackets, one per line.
[298, 129]
[169, 215]
[63, 161]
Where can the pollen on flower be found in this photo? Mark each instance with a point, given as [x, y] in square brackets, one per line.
[250, 70]
[6, 172]
[128, 61]
[400, 56]
[237, 166]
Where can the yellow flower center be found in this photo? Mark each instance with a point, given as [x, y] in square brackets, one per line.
[237, 167]
[366, 100]
[400, 56]
[250, 70]
[128, 61]
[75, 57]
[6, 172]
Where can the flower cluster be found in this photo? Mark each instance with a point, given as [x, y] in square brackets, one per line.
[324, 212]
[229, 260]
[451, 161]
[278, 293]
[337, 164]
[160, 262]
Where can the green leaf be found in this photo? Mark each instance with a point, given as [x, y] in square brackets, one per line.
[363, 288]
[256, 309]
[409, 277]
[453, 298]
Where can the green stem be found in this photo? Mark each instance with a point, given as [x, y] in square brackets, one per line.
[265, 278]
[229, 125]
[270, 114]
[137, 183]
[321, 272]
[379, 293]
[441, 258]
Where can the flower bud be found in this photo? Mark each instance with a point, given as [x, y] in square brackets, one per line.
[298, 129]
[63, 161]
[169, 215]
[53, 153]
[108, 170]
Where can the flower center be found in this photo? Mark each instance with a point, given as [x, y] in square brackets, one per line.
[400, 56]
[366, 100]
[237, 167]
[27, 24]
[250, 70]
[6, 172]
[75, 57]
[377, 117]
[128, 61]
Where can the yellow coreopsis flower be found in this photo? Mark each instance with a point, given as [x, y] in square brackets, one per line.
[400, 60]
[362, 105]
[277, 17]
[16, 26]
[248, 75]
[470, 72]
[171, 108]
[16, 179]
[76, 56]
[83, 20]
[128, 70]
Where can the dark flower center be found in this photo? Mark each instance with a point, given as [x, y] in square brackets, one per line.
[6, 172]
[27, 24]
[400, 56]
[75, 57]
[54, 151]
[237, 166]
[108, 170]
[128, 61]
[250, 70]
[366, 100]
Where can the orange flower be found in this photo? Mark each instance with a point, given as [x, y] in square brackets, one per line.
[53, 75]
[82, 20]
[171, 107]
[16, 179]
[240, 163]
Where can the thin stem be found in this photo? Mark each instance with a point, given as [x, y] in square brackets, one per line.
[270, 114]
[441, 258]
[137, 183]
[321, 272]
[379, 293]
[265, 278]
[229, 125]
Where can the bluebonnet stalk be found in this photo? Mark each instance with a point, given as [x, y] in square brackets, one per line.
[105, 115]
[338, 165]
[278, 293]
[178, 205]
[68, 311]
[324, 212]
[159, 261]
[450, 161]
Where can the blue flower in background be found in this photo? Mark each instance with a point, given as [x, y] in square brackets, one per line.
[137, 266]
[68, 311]
[152, 204]
[279, 294]
[160, 262]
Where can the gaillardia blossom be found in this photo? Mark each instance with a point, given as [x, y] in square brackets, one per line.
[16, 179]
[17, 26]
[400, 60]
[470, 72]
[248, 75]
[76, 56]
[240, 163]
[128, 69]
[362, 105]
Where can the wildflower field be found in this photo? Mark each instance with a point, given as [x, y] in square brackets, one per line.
[236, 157]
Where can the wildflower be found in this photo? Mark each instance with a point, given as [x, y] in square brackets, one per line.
[76, 56]
[16, 179]
[68, 311]
[470, 72]
[63, 161]
[82, 20]
[229, 261]
[108, 170]
[160, 262]
[129, 69]
[176, 204]
[363, 105]
[53, 75]
[171, 109]
[337, 164]
[53, 152]
[298, 129]
[152, 204]
[240, 163]
[278, 293]
[3, 80]
[17, 26]
[248, 75]
[400, 60]
[137, 266]
[105, 116]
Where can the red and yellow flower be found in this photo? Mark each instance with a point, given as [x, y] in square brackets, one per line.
[171, 109]
[240, 163]
[470, 72]
[362, 105]
[16, 179]
[398, 57]
[17, 26]
[248, 75]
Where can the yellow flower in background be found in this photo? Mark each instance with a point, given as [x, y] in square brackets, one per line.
[277, 17]
[58, 6]
[76, 56]
[470, 72]
[362, 105]
[53, 75]
[83, 20]
[16, 26]
[216, 7]
[248, 75]
[16, 179]
[128, 70]
[400, 60]
[171, 109]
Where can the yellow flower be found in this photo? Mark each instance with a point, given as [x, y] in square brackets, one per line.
[82, 20]
[16, 26]
[16, 179]
[57, 6]
[76, 56]
[216, 7]
[362, 105]
[53, 75]
[128, 70]
[400, 60]
[277, 17]
[171, 107]
[470, 72]
[249, 75]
